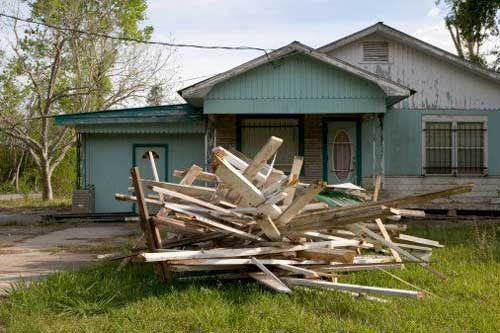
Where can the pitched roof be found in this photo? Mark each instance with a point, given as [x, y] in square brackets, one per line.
[195, 93]
[411, 41]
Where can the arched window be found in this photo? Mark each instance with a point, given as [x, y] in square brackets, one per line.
[342, 155]
[146, 155]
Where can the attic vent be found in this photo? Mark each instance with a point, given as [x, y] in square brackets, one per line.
[376, 51]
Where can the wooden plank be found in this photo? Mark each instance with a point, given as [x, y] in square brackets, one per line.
[191, 175]
[193, 200]
[203, 176]
[213, 224]
[269, 279]
[268, 227]
[352, 287]
[192, 190]
[151, 232]
[338, 255]
[419, 240]
[361, 229]
[298, 204]
[244, 261]
[178, 226]
[243, 252]
[299, 270]
[260, 159]
[236, 182]
[379, 222]
[270, 282]
[293, 179]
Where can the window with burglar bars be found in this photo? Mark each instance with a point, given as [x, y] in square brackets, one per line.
[455, 146]
[256, 131]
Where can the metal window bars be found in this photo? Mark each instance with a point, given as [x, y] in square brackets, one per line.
[453, 148]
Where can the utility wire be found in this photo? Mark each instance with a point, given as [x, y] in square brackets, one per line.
[134, 40]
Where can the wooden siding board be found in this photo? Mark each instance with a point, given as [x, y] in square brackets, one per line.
[109, 159]
[439, 84]
[295, 85]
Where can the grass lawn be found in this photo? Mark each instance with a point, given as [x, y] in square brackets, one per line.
[100, 300]
[57, 203]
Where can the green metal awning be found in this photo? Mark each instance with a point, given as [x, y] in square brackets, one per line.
[178, 118]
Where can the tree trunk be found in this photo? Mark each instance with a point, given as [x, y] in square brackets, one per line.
[47, 193]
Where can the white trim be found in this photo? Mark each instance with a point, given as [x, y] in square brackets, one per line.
[454, 119]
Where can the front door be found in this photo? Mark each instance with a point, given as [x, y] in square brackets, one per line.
[342, 163]
[142, 161]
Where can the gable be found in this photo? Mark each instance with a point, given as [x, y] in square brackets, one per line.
[295, 84]
[439, 83]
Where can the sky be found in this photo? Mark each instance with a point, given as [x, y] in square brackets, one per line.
[271, 24]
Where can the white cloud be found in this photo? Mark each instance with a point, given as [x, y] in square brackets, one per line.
[434, 12]
[436, 35]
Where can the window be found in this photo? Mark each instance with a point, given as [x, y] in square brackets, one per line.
[256, 131]
[376, 51]
[454, 145]
[342, 155]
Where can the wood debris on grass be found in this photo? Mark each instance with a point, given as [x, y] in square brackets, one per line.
[253, 221]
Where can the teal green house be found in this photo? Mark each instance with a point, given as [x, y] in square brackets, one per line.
[377, 102]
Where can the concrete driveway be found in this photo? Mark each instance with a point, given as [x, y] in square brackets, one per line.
[25, 256]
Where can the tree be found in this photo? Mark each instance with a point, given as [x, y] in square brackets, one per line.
[155, 96]
[471, 23]
[49, 71]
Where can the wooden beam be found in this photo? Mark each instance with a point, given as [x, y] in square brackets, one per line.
[269, 279]
[419, 240]
[260, 159]
[379, 222]
[191, 175]
[241, 185]
[268, 227]
[293, 179]
[338, 255]
[151, 232]
[214, 224]
[299, 203]
[352, 287]
[361, 229]
[203, 176]
[243, 252]
[192, 190]
[299, 270]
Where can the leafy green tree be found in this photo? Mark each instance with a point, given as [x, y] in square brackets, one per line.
[471, 23]
[49, 71]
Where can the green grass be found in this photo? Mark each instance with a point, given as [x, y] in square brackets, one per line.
[57, 203]
[101, 300]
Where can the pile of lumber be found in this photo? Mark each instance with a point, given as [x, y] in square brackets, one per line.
[249, 220]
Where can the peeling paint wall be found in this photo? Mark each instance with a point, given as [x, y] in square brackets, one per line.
[438, 83]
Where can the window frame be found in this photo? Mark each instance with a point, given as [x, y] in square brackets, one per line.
[454, 120]
[299, 118]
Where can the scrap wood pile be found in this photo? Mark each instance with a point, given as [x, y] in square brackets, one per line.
[253, 221]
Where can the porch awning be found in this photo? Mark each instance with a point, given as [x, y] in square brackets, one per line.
[179, 118]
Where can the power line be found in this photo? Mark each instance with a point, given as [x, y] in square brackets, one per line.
[134, 40]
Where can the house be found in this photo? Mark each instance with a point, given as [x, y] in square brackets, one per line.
[377, 102]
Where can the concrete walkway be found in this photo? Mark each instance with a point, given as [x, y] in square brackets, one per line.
[69, 248]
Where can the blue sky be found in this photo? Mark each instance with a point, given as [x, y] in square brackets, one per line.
[274, 23]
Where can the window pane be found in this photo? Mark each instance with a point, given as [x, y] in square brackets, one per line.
[438, 148]
[256, 132]
[470, 148]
